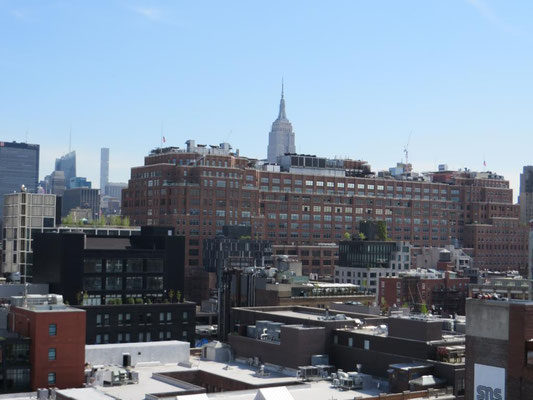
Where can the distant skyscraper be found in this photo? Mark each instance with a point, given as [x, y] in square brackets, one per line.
[525, 199]
[84, 198]
[281, 137]
[19, 165]
[104, 169]
[67, 164]
[56, 183]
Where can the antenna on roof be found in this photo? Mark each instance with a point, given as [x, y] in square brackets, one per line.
[406, 148]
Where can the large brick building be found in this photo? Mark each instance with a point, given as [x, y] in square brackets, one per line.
[306, 200]
[443, 290]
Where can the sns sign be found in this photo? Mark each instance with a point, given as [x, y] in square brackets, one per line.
[489, 382]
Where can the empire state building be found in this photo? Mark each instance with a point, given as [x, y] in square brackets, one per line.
[281, 137]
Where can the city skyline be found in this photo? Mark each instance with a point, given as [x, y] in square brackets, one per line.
[454, 74]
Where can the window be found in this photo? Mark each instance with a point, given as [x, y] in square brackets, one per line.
[367, 345]
[92, 283]
[114, 266]
[154, 282]
[134, 282]
[113, 283]
[134, 265]
[92, 265]
[51, 354]
[51, 378]
[52, 330]
[154, 265]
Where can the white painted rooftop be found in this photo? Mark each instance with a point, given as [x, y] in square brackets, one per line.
[147, 384]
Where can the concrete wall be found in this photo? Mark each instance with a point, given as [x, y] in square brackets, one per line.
[168, 352]
[415, 329]
[491, 322]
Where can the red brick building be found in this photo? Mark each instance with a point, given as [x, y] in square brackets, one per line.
[442, 289]
[309, 200]
[317, 259]
[501, 244]
[57, 351]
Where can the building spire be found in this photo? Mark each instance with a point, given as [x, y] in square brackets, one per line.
[282, 114]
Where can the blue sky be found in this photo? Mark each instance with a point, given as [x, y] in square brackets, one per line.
[359, 76]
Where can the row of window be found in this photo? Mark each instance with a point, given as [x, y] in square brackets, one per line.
[126, 337]
[126, 319]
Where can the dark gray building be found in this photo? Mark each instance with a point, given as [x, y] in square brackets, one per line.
[126, 323]
[67, 164]
[525, 199]
[19, 165]
[96, 270]
[235, 249]
[82, 198]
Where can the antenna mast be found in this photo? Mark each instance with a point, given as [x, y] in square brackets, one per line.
[406, 149]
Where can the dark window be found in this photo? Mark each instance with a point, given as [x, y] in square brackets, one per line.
[134, 282]
[92, 283]
[154, 265]
[134, 265]
[92, 265]
[154, 282]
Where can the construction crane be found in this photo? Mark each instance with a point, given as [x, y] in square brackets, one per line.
[406, 148]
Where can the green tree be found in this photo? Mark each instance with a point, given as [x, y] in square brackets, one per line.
[171, 295]
[68, 220]
[178, 296]
[382, 230]
[361, 236]
[347, 236]
[424, 308]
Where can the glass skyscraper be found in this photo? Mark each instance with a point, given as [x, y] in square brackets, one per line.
[19, 165]
[67, 164]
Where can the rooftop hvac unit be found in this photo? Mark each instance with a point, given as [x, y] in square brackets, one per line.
[42, 394]
[134, 376]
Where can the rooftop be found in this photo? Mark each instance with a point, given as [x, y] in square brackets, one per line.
[151, 383]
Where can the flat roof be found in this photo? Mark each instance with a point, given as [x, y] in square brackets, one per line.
[148, 384]
[320, 390]
[89, 393]
[233, 370]
[297, 314]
